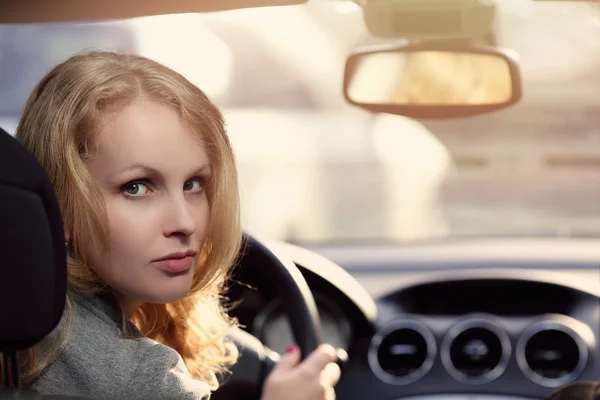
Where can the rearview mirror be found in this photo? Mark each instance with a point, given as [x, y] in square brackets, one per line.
[432, 80]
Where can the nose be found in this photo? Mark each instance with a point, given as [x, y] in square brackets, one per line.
[179, 218]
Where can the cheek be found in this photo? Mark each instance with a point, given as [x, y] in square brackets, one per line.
[126, 224]
[202, 218]
[130, 233]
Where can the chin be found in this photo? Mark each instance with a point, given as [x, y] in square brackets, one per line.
[170, 292]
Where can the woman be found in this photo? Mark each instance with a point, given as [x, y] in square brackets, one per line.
[146, 181]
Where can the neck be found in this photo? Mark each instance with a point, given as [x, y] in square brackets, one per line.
[128, 305]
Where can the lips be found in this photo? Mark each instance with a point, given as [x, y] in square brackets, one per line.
[176, 262]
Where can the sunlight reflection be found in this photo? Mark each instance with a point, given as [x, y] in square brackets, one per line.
[276, 158]
[183, 43]
[416, 165]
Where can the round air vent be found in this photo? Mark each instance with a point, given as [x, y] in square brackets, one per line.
[402, 352]
[476, 351]
[551, 354]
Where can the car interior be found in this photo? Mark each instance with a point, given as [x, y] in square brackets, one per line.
[485, 315]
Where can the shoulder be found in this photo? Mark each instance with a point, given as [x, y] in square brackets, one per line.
[161, 373]
[97, 361]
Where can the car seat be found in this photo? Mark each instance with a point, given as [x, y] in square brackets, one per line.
[33, 268]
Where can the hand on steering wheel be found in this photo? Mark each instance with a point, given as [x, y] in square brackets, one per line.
[251, 376]
[312, 379]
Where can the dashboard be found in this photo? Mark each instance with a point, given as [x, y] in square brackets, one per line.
[470, 319]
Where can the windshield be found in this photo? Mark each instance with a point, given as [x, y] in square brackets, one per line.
[314, 169]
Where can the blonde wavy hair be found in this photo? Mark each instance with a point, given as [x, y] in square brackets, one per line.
[59, 124]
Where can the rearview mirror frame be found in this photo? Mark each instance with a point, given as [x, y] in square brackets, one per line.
[437, 111]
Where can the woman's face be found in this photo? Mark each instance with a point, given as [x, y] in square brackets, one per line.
[151, 170]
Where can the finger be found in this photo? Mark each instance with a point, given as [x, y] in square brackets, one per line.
[289, 360]
[329, 393]
[330, 375]
[319, 358]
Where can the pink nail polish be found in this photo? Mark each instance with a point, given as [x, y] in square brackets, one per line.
[291, 348]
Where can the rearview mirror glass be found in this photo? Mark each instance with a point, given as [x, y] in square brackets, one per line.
[426, 82]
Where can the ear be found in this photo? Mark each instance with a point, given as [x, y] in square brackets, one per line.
[67, 239]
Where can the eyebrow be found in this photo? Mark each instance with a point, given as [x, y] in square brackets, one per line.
[150, 171]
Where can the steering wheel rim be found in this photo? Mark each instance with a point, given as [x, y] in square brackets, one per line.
[248, 375]
[291, 287]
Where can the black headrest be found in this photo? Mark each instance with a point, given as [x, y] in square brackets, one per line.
[33, 271]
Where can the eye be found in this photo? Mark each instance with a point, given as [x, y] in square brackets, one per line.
[193, 185]
[136, 189]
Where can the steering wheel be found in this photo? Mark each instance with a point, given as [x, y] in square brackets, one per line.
[250, 372]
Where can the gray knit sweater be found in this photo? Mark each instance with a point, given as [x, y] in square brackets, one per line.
[98, 363]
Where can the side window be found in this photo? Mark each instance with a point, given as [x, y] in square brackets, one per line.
[28, 51]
